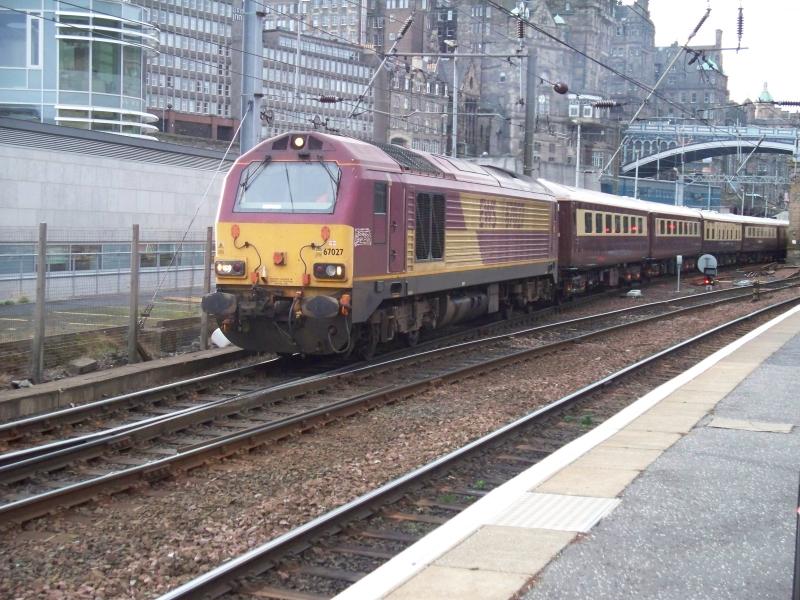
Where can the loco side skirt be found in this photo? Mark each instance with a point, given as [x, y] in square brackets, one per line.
[368, 294]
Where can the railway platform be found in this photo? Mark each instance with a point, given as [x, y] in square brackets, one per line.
[690, 492]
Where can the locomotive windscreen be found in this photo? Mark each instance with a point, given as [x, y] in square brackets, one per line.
[288, 187]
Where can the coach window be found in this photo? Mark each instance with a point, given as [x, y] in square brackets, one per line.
[429, 235]
[617, 223]
[608, 223]
[640, 227]
[598, 223]
[661, 226]
[587, 222]
[624, 224]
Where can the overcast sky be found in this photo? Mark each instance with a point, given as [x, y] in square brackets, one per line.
[770, 31]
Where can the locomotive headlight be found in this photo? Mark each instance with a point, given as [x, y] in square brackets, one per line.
[328, 271]
[229, 268]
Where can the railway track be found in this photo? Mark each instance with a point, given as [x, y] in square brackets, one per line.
[39, 479]
[324, 556]
[66, 427]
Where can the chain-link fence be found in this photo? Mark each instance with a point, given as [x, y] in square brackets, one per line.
[87, 295]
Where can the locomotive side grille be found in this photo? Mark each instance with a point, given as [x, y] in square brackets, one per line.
[409, 160]
[429, 227]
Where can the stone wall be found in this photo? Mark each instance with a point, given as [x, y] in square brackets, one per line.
[72, 190]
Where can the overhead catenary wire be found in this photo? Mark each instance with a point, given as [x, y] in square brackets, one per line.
[660, 79]
[151, 305]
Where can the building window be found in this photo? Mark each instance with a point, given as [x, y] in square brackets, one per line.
[74, 72]
[13, 39]
[34, 41]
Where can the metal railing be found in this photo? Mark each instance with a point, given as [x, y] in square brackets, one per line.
[82, 291]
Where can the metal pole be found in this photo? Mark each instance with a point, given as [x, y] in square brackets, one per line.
[206, 286]
[37, 351]
[636, 180]
[530, 114]
[251, 74]
[297, 53]
[133, 310]
[796, 582]
[454, 148]
[578, 154]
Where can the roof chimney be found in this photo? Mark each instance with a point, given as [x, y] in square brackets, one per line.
[719, 38]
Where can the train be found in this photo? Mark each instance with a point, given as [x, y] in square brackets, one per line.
[327, 244]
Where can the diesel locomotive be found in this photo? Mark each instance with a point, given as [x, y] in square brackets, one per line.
[328, 244]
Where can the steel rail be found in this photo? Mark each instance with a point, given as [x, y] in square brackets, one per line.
[78, 413]
[85, 446]
[72, 494]
[82, 412]
[217, 581]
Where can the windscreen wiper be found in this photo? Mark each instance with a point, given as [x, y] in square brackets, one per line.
[248, 180]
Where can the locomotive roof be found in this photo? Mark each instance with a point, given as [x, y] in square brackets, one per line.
[565, 192]
[397, 159]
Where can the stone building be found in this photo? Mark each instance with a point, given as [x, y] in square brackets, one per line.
[632, 53]
[696, 81]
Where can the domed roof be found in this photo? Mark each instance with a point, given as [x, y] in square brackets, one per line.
[765, 95]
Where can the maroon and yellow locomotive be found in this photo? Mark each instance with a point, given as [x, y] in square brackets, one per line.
[327, 244]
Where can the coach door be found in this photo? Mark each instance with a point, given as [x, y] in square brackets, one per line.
[397, 228]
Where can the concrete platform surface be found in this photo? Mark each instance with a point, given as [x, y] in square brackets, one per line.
[690, 492]
[713, 517]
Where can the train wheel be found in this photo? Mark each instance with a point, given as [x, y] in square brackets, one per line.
[367, 343]
[411, 338]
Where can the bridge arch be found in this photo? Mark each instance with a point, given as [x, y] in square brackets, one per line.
[667, 159]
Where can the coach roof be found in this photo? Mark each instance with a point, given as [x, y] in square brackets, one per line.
[565, 192]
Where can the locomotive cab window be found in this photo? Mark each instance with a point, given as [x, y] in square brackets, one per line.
[429, 233]
[379, 198]
[288, 187]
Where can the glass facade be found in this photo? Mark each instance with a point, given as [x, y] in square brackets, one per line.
[79, 67]
[19, 260]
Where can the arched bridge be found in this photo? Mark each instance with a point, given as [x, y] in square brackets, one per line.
[660, 146]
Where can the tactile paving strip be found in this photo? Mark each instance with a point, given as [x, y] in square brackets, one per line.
[555, 511]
